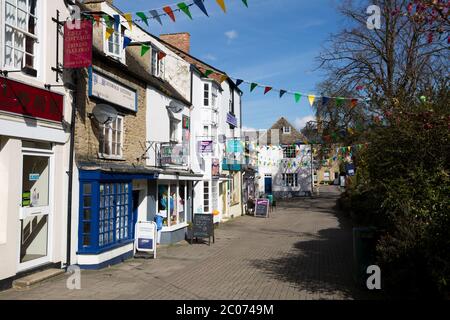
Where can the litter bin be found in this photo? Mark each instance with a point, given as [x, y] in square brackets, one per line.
[364, 244]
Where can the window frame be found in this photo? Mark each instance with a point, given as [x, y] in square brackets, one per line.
[30, 70]
[102, 153]
[290, 178]
[121, 56]
[206, 196]
[206, 94]
[287, 130]
[289, 152]
[176, 123]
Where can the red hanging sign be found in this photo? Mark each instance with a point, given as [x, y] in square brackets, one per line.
[78, 44]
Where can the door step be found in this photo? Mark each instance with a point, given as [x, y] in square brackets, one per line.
[34, 278]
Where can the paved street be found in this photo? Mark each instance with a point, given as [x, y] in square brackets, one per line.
[304, 251]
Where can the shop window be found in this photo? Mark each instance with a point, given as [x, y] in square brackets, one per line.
[290, 180]
[20, 33]
[35, 181]
[105, 216]
[172, 203]
[111, 139]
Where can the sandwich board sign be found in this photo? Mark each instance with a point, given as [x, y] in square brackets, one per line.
[262, 208]
[146, 237]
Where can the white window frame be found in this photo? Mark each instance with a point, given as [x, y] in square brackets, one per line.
[108, 126]
[121, 34]
[156, 65]
[178, 225]
[287, 151]
[206, 94]
[206, 196]
[287, 130]
[290, 178]
[26, 34]
[214, 96]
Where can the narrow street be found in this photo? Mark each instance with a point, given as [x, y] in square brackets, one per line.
[303, 251]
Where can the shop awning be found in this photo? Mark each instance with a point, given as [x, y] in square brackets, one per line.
[176, 175]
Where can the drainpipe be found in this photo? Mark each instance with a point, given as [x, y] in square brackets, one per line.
[70, 172]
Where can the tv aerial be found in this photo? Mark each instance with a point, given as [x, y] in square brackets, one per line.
[104, 113]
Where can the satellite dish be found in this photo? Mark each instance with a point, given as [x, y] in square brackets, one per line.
[175, 107]
[104, 113]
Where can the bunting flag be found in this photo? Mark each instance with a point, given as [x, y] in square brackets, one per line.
[245, 2]
[109, 32]
[143, 17]
[97, 19]
[201, 6]
[298, 96]
[311, 99]
[223, 78]
[238, 81]
[116, 22]
[325, 100]
[222, 5]
[144, 49]
[253, 86]
[208, 73]
[354, 102]
[161, 55]
[155, 15]
[108, 21]
[267, 90]
[168, 10]
[183, 7]
[126, 42]
[129, 18]
[339, 101]
[282, 93]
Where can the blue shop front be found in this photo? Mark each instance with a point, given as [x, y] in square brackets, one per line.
[110, 205]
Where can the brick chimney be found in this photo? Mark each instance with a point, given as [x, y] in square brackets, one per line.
[181, 40]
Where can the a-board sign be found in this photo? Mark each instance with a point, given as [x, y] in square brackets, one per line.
[145, 237]
[262, 208]
[203, 226]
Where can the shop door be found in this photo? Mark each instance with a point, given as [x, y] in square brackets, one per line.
[35, 213]
[268, 185]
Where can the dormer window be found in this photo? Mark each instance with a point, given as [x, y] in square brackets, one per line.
[157, 65]
[286, 130]
[114, 45]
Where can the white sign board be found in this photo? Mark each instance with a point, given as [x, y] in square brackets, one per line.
[112, 91]
[146, 237]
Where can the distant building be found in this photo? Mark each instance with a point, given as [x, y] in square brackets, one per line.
[284, 162]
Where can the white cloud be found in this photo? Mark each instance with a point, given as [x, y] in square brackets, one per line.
[210, 57]
[300, 123]
[231, 35]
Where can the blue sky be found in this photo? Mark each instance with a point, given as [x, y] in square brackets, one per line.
[273, 42]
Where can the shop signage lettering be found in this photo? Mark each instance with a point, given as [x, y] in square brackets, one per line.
[262, 208]
[78, 45]
[146, 236]
[231, 119]
[19, 98]
[205, 146]
[203, 226]
[34, 177]
[111, 91]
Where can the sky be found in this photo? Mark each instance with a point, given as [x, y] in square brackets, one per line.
[272, 42]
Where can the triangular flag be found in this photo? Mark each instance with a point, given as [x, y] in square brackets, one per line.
[116, 22]
[282, 93]
[108, 33]
[223, 78]
[161, 55]
[155, 15]
[297, 97]
[200, 4]
[143, 17]
[183, 7]
[239, 82]
[253, 86]
[354, 102]
[107, 20]
[339, 101]
[267, 89]
[245, 2]
[208, 73]
[222, 5]
[169, 12]
[325, 100]
[144, 49]
[129, 18]
[311, 99]
[126, 42]
[97, 19]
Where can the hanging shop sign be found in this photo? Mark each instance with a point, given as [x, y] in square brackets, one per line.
[78, 45]
[146, 235]
[262, 208]
[215, 169]
[102, 87]
[19, 98]
[205, 146]
[231, 120]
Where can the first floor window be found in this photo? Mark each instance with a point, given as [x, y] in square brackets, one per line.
[111, 140]
[290, 180]
[114, 46]
[289, 152]
[20, 33]
[206, 95]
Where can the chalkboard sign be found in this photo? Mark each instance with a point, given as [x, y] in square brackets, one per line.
[203, 227]
[262, 208]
